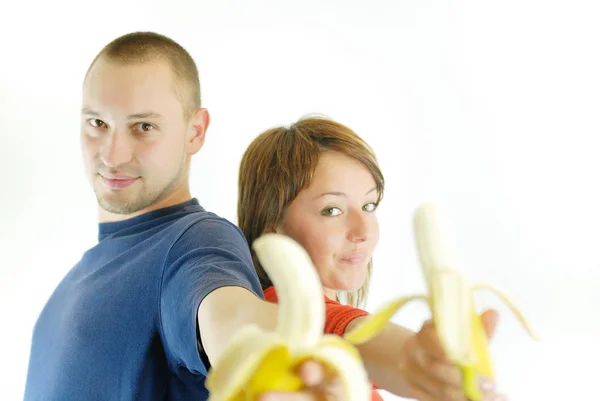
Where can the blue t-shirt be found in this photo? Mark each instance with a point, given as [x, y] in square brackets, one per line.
[122, 323]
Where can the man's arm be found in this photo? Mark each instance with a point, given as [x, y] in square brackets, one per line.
[209, 291]
[223, 312]
[226, 310]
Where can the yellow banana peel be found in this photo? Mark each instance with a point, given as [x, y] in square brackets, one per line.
[450, 298]
[257, 361]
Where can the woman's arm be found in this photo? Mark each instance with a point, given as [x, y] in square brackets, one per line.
[412, 364]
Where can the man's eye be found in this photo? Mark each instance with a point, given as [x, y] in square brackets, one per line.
[145, 127]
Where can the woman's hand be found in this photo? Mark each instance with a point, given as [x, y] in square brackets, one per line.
[428, 375]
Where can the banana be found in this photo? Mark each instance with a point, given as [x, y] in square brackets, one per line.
[450, 298]
[257, 361]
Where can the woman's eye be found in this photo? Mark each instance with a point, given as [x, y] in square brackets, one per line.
[370, 207]
[331, 211]
[94, 122]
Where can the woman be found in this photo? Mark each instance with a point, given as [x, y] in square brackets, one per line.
[319, 183]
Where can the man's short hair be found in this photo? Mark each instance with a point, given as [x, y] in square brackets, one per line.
[144, 47]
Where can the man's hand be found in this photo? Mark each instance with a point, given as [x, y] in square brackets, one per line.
[226, 310]
[321, 385]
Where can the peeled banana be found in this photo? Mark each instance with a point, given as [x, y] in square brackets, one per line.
[450, 298]
[257, 361]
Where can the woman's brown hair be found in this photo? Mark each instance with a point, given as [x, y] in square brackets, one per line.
[280, 163]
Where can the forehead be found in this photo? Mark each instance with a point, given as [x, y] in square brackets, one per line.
[335, 169]
[130, 88]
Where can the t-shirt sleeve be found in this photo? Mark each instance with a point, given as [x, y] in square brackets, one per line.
[338, 316]
[211, 253]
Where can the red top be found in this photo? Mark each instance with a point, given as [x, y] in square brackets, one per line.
[337, 318]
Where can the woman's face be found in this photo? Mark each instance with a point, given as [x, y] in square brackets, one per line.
[334, 220]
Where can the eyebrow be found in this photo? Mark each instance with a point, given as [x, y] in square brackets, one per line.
[138, 116]
[89, 112]
[337, 193]
[143, 115]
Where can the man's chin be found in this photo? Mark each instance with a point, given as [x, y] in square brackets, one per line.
[118, 204]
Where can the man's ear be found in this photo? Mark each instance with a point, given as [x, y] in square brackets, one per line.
[199, 122]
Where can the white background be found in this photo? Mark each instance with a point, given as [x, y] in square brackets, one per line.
[489, 108]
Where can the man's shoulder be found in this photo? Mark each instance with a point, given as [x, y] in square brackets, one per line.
[204, 223]
[207, 230]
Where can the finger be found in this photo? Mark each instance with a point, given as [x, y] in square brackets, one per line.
[308, 395]
[486, 385]
[494, 397]
[312, 373]
[490, 318]
[296, 396]
[331, 392]
[317, 376]
[438, 373]
[428, 340]
[431, 358]
[420, 394]
[439, 381]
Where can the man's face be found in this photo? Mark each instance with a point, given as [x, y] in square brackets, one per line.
[133, 134]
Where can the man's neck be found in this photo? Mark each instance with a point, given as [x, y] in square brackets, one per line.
[180, 195]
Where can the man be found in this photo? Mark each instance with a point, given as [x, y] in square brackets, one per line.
[146, 310]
